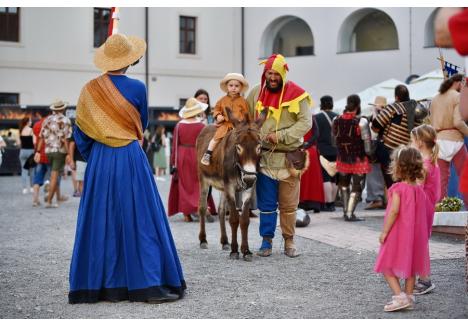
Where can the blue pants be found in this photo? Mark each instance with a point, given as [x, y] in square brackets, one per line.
[267, 202]
[42, 171]
[271, 195]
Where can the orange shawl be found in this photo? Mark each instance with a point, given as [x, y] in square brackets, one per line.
[105, 115]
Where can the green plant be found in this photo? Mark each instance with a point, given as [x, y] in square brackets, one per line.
[449, 204]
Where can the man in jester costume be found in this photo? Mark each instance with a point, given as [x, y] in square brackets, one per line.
[288, 120]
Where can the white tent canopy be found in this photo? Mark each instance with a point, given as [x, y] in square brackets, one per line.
[424, 87]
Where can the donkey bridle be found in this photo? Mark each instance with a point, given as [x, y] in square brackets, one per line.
[242, 171]
[240, 181]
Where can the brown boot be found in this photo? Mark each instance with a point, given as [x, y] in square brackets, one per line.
[290, 248]
[291, 252]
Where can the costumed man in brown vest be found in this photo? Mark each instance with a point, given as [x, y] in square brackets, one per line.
[289, 118]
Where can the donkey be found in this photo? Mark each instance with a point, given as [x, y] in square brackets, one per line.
[234, 166]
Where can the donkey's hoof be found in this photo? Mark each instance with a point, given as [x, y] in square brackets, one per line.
[248, 257]
[234, 255]
[226, 246]
[204, 245]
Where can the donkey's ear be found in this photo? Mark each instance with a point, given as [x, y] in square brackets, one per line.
[230, 117]
[262, 117]
[228, 113]
[247, 118]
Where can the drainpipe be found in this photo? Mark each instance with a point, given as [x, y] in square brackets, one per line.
[242, 43]
[410, 43]
[147, 55]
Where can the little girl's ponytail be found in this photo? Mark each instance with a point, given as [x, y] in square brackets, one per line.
[435, 153]
[427, 135]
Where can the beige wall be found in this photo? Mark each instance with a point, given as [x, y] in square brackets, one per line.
[340, 74]
[54, 56]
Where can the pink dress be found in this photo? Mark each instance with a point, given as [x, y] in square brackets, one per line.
[405, 252]
[431, 188]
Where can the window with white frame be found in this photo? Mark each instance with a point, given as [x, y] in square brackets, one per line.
[102, 18]
[9, 24]
[187, 34]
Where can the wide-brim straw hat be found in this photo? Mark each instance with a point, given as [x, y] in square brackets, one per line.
[379, 101]
[192, 108]
[234, 76]
[58, 105]
[328, 166]
[119, 51]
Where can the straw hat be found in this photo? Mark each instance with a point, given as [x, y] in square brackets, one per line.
[58, 105]
[192, 108]
[119, 51]
[234, 76]
[379, 101]
[328, 166]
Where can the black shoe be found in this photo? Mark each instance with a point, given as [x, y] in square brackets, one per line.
[168, 297]
[328, 207]
[353, 218]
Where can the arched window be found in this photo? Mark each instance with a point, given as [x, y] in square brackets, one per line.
[289, 36]
[429, 40]
[367, 29]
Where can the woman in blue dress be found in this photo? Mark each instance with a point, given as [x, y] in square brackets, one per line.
[123, 247]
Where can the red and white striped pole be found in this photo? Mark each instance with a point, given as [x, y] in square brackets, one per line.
[114, 21]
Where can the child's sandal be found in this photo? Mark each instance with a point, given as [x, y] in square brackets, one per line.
[206, 159]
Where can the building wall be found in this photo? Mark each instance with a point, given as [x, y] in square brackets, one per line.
[218, 52]
[55, 55]
[340, 74]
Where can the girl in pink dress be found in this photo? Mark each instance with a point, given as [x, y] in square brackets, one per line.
[424, 138]
[404, 250]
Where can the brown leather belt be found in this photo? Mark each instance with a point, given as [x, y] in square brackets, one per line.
[277, 150]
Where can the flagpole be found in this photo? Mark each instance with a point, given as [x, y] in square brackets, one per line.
[442, 64]
[114, 21]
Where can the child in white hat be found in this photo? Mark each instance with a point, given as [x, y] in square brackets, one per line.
[234, 85]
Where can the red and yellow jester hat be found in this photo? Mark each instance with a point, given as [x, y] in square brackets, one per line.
[290, 94]
[278, 64]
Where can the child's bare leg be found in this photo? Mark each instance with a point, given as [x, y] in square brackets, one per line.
[409, 285]
[212, 144]
[394, 284]
[207, 156]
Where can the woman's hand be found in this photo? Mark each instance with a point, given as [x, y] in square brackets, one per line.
[382, 237]
[37, 157]
[272, 138]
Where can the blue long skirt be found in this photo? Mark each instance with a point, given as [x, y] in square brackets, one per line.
[123, 248]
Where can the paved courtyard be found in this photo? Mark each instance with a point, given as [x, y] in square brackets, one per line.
[333, 277]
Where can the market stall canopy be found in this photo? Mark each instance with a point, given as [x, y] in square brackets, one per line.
[424, 87]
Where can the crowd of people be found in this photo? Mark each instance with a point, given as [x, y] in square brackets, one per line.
[47, 155]
[123, 246]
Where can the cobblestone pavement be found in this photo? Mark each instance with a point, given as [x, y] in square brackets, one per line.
[333, 277]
